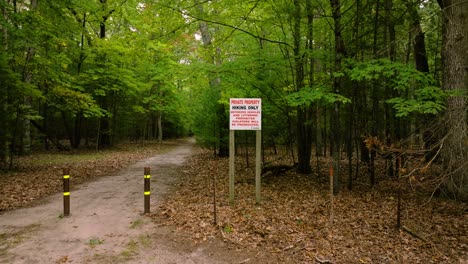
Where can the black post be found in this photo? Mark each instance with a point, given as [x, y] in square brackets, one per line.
[147, 189]
[66, 192]
[399, 208]
[214, 198]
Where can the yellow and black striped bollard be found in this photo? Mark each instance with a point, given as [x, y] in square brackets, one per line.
[66, 192]
[147, 189]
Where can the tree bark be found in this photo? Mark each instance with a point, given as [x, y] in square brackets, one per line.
[455, 76]
[304, 129]
[105, 130]
[5, 131]
[422, 65]
[160, 127]
[340, 52]
[27, 100]
[419, 46]
[376, 115]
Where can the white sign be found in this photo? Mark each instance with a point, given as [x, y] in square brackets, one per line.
[245, 114]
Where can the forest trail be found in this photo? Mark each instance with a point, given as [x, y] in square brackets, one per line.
[107, 224]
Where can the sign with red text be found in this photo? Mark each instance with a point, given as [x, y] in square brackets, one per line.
[245, 114]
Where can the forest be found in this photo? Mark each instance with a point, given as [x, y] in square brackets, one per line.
[373, 92]
[354, 80]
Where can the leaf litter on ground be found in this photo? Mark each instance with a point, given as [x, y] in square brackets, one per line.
[39, 175]
[293, 219]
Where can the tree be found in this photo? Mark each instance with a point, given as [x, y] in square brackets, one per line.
[340, 52]
[304, 112]
[455, 77]
[215, 82]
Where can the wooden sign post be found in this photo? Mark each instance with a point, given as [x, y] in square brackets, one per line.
[245, 114]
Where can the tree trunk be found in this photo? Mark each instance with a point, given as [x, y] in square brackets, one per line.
[102, 25]
[215, 84]
[376, 115]
[4, 120]
[389, 93]
[418, 39]
[340, 52]
[27, 100]
[160, 128]
[304, 130]
[76, 142]
[27, 78]
[105, 128]
[313, 109]
[45, 123]
[48, 136]
[422, 65]
[455, 76]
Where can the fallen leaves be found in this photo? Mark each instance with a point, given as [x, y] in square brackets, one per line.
[40, 175]
[293, 219]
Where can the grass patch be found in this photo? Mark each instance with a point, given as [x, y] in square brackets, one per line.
[95, 241]
[145, 240]
[130, 250]
[133, 246]
[136, 224]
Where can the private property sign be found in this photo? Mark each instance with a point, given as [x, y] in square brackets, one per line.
[245, 114]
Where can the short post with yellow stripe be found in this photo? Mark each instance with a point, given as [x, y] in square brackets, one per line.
[66, 192]
[147, 190]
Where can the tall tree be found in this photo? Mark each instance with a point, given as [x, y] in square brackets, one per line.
[5, 73]
[340, 52]
[27, 100]
[214, 58]
[455, 77]
[304, 112]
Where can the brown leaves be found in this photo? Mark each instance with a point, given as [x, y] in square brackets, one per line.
[372, 142]
[40, 175]
[293, 220]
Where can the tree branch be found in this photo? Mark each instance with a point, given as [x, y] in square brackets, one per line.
[229, 26]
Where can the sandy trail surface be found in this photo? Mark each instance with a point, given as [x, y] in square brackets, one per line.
[107, 224]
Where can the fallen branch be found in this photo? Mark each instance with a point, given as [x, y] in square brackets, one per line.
[413, 233]
[323, 261]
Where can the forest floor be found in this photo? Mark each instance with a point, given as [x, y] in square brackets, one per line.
[292, 224]
[293, 221]
[106, 224]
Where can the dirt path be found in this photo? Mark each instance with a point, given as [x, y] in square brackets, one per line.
[106, 223]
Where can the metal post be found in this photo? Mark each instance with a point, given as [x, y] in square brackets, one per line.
[231, 166]
[147, 188]
[331, 194]
[215, 220]
[258, 166]
[66, 192]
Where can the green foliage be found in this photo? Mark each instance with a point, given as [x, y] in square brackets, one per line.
[74, 102]
[428, 100]
[228, 229]
[421, 94]
[152, 63]
[320, 94]
[204, 113]
[401, 76]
